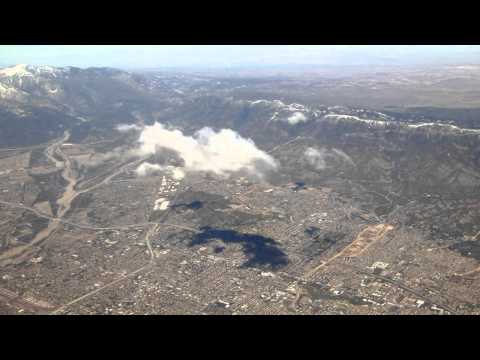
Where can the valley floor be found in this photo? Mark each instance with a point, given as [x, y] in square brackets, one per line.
[84, 243]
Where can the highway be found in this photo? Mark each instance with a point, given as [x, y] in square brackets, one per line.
[95, 228]
[76, 300]
[30, 302]
[64, 201]
[154, 228]
[403, 287]
[53, 152]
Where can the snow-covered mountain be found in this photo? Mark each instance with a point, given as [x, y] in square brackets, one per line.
[32, 96]
[70, 89]
[44, 100]
[23, 81]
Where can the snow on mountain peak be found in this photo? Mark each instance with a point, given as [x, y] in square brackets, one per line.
[17, 70]
[22, 70]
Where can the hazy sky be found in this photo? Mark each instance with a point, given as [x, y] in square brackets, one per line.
[157, 56]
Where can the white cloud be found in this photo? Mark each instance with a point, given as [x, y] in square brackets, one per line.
[128, 127]
[223, 152]
[296, 118]
[316, 158]
[147, 169]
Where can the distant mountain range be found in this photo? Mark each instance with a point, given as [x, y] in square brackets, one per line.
[37, 104]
